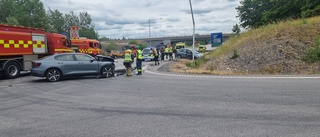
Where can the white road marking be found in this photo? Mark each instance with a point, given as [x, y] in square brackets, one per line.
[234, 77]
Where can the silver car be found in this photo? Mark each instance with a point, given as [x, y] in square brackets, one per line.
[187, 53]
[58, 66]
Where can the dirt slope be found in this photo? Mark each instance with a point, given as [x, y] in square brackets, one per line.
[274, 49]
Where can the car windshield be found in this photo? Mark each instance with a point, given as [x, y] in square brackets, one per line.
[195, 52]
[146, 51]
[179, 47]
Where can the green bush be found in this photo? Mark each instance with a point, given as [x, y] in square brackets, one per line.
[197, 63]
[313, 52]
[111, 46]
[235, 54]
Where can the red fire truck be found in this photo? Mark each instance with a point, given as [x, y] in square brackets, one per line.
[82, 44]
[20, 45]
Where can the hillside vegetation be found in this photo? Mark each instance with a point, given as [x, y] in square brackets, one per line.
[290, 47]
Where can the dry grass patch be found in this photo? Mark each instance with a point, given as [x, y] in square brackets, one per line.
[180, 66]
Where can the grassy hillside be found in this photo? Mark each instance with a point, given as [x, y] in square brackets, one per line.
[273, 49]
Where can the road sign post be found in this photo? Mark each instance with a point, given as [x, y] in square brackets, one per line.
[216, 39]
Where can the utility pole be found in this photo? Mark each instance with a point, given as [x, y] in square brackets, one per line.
[149, 34]
[194, 29]
[150, 30]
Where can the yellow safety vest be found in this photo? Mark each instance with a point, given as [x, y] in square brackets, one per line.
[166, 50]
[139, 54]
[127, 56]
[170, 50]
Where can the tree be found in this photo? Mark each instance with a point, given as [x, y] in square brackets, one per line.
[250, 13]
[7, 10]
[104, 38]
[236, 29]
[256, 13]
[311, 8]
[56, 22]
[12, 20]
[89, 33]
[31, 13]
[70, 20]
[282, 10]
[83, 22]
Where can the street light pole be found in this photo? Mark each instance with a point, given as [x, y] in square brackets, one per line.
[150, 30]
[194, 29]
[149, 34]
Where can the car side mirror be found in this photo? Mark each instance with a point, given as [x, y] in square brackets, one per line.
[92, 60]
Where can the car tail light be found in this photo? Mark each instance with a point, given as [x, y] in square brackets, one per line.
[35, 64]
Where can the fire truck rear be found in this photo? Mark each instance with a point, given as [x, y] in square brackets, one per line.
[19, 46]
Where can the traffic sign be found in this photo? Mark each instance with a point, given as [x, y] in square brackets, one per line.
[216, 39]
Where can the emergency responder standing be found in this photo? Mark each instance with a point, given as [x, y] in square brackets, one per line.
[162, 53]
[128, 60]
[139, 60]
[156, 57]
[166, 51]
[152, 53]
[170, 53]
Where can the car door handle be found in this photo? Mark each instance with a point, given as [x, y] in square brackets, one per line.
[60, 62]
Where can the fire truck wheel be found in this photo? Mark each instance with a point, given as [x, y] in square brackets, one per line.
[53, 75]
[12, 70]
[107, 71]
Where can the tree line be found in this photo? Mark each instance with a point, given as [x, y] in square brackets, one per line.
[31, 13]
[256, 13]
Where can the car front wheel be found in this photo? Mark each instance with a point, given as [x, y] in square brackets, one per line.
[53, 75]
[107, 71]
[179, 57]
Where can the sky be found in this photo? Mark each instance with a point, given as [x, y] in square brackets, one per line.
[131, 18]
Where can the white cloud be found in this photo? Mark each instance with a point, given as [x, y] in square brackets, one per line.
[130, 18]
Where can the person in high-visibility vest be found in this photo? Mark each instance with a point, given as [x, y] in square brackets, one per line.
[139, 60]
[166, 51]
[156, 57]
[170, 53]
[128, 60]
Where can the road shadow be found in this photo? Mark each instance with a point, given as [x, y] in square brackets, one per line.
[24, 74]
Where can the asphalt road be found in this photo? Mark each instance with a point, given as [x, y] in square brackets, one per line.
[160, 104]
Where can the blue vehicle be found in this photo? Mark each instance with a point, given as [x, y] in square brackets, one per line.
[58, 66]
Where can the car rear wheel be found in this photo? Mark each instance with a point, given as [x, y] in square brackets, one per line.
[179, 57]
[107, 71]
[53, 75]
